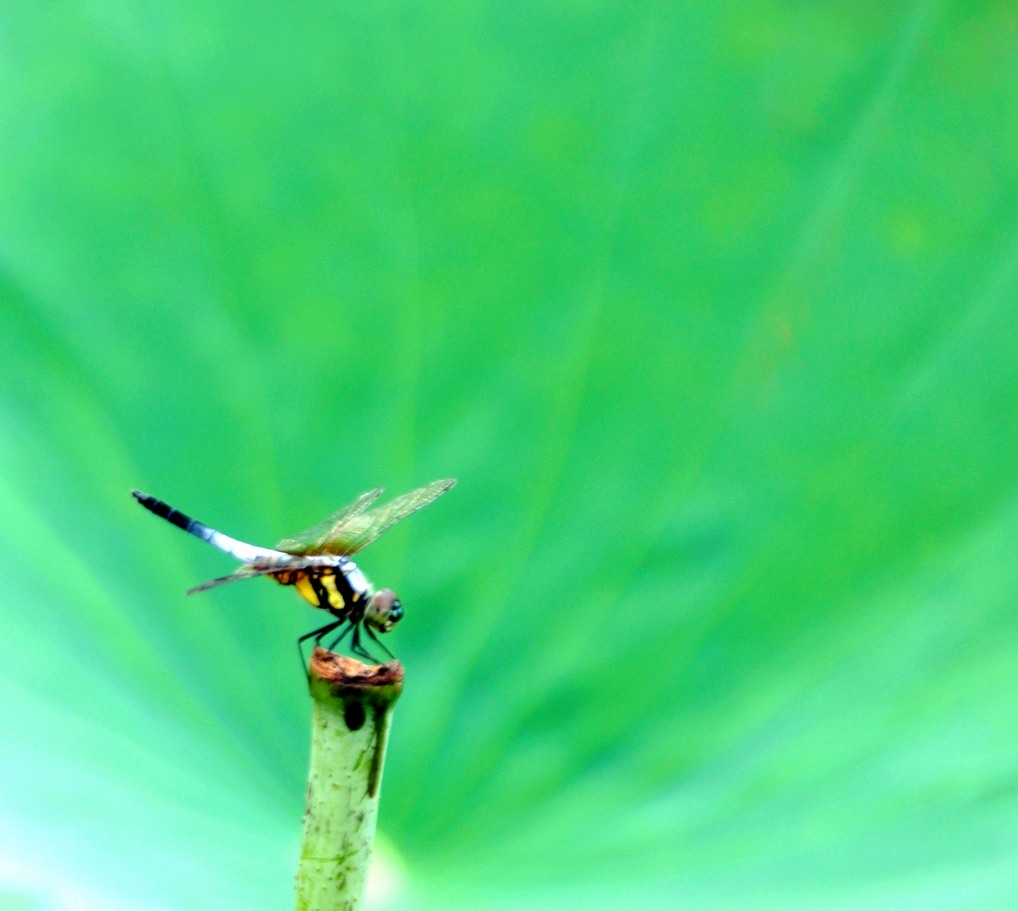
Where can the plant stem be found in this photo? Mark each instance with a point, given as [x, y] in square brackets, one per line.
[349, 729]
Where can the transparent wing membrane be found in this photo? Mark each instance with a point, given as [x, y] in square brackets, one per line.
[316, 539]
[245, 572]
[358, 531]
[250, 570]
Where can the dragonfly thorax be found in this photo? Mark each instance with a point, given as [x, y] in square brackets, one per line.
[384, 610]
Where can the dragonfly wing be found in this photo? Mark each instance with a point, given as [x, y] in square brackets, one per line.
[250, 570]
[245, 572]
[359, 531]
[314, 540]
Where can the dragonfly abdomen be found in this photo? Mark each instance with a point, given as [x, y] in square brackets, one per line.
[246, 552]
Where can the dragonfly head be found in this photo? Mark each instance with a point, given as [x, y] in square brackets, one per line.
[384, 610]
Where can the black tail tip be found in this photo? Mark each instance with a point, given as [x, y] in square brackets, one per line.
[146, 500]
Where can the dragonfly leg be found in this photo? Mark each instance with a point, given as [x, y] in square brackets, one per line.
[359, 650]
[378, 642]
[340, 637]
[316, 634]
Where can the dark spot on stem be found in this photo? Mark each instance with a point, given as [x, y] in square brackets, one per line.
[353, 714]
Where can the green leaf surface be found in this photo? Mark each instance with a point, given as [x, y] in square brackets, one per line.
[711, 310]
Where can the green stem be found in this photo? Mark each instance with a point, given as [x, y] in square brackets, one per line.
[349, 730]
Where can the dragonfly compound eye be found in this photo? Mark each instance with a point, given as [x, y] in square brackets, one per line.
[384, 610]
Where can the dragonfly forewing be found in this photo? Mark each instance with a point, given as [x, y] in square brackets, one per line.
[358, 531]
[316, 538]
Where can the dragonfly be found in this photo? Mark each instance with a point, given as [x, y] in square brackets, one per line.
[318, 564]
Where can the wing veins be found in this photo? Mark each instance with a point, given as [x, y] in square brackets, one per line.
[315, 539]
[361, 530]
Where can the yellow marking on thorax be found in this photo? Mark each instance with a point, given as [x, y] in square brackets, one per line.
[326, 582]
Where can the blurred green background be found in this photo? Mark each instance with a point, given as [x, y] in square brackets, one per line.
[711, 309]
